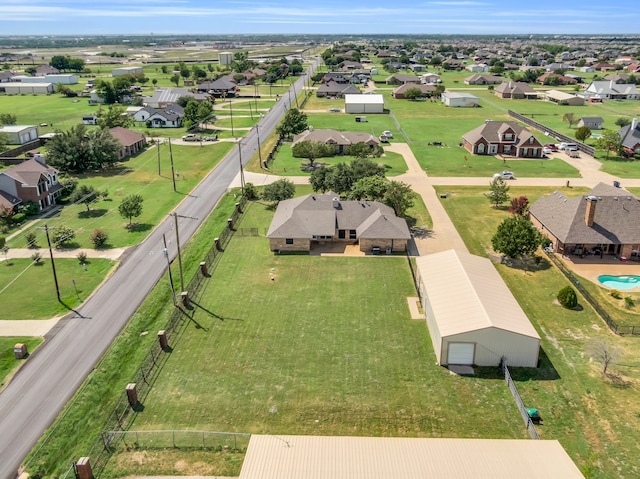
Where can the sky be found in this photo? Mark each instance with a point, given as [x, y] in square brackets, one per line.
[85, 17]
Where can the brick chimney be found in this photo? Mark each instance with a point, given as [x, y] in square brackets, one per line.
[634, 124]
[591, 210]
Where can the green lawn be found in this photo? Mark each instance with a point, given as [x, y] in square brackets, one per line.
[593, 418]
[138, 175]
[8, 363]
[286, 165]
[17, 277]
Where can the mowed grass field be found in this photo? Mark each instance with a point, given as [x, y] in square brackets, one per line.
[327, 348]
[594, 418]
[138, 175]
[18, 277]
[8, 362]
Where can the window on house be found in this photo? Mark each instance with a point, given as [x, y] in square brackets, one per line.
[342, 234]
[352, 234]
[507, 148]
[508, 136]
[525, 151]
[480, 148]
[531, 140]
[288, 241]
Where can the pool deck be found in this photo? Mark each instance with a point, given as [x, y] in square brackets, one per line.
[591, 267]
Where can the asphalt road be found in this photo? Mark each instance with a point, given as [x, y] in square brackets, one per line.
[37, 394]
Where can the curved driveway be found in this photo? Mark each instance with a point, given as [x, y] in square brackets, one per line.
[41, 388]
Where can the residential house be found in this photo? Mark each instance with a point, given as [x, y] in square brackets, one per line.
[350, 65]
[452, 64]
[587, 69]
[630, 136]
[418, 67]
[163, 97]
[334, 89]
[603, 67]
[591, 122]
[301, 223]
[340, 140]
[131, 142]
[6, 76]
[425, 90]
[32, 180]
[618, 78]
[516, 91]
[169, 117]
[609, 90]
[478, 79]
[220, 88]
[555, 79]
[337, 77]
[401, 79]
[502, 138]
[602, 222]
[43, 70]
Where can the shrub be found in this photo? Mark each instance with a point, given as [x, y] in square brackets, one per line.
[629, 302]
[30, 237]
[82, 257]
[615, 294]
[250, 191]
[36, 257]
[62, 235]
[99, 238]
[29, 208]
[18, 218]
[567, 297]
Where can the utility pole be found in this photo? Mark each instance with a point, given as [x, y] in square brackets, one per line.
[259, 148]
[175, 218]
[293, 85]
[158, 146]
[53, 264]
[173, 171]
[165, 251]
[231, 115]
[241, 170]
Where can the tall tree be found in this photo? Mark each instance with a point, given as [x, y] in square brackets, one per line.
[621, 122]
[294, 122]
[4, 141]
[519, 206]
[131, 207]
[571, 119]
[498, 192]
[8, 119]
[279, 190]
[85, 194]
[80, 150]
[399, 196]
[371, 188]
[114, 115]
[610, 141]
[583, 133]
[311, 150]
[516, 237]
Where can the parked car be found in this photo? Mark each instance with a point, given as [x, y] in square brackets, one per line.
[546, 150]
[567, 146]
[551, 146]
[384, 139]
[335, 110]
[387, 133]
[191, 137]
[211, 138]
[505, 175]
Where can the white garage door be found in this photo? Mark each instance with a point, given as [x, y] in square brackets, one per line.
[461, 353]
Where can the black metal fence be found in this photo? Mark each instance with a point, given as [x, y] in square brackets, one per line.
[620, 329]
[123, 413]
[528, 422]
[589, 150]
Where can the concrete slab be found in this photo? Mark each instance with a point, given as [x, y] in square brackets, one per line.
[460, 370]
[414, 307]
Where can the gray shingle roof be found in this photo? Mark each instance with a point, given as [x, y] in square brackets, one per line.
[316, 215]
[630, 135]
[615, 219]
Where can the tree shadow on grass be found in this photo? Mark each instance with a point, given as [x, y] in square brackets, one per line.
[138, 227]
[97, 213]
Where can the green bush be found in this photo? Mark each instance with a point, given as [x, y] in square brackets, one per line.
[29, 208]
[18, 218]
[615, 294]
[567, 297]
[99, 238]
[31, 239]
[629, 302]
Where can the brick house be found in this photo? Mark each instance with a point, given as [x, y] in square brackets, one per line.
[516, 91]
[341, 140]
[602, 222]
[131, 142]
[301, 223]
[32, 180]
[502, 138]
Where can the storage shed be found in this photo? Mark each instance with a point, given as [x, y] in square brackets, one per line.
[458, 99]
[472, 316]
[364, 103]
[20, 134]
[126, 71]
[19, 88]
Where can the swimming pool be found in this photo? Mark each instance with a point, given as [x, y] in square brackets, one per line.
[620, 282]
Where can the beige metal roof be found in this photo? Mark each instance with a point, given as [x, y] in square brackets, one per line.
[317, 457]
[373, 99]
[466, 294]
